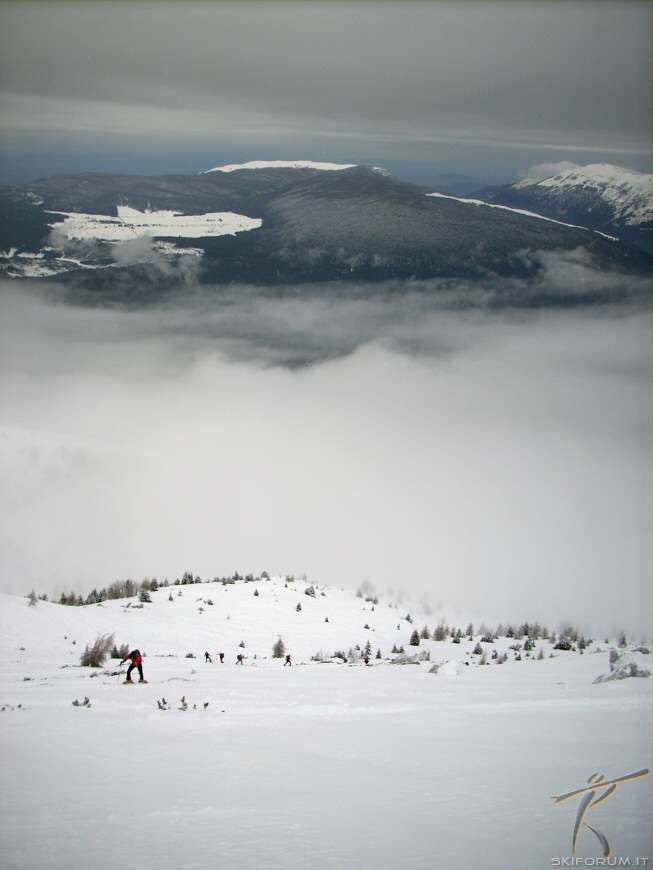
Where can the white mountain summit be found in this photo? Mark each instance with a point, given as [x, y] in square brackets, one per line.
[280, 164]
[599, 196]
[629, 194]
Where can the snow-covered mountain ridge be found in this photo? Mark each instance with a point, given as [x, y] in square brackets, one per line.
[600, 196]
[276, 223]
[629, 193]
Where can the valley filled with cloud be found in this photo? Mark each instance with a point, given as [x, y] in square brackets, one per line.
[497, 459]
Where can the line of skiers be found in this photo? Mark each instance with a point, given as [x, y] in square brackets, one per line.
[240, 659]
[135, 659]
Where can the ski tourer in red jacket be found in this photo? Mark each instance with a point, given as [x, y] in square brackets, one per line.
[136, 661]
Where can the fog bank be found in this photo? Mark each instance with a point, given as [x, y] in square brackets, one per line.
[499, 461]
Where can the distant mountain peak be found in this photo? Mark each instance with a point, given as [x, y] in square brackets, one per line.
[599, 196]
[600, 174]
[280, 164]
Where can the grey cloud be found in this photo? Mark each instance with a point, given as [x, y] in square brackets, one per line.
[175, 267]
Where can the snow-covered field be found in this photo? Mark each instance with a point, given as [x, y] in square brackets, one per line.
[131, 223]
[115, 234]
[325, 764]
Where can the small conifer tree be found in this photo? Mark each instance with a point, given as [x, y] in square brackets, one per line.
[440, 632]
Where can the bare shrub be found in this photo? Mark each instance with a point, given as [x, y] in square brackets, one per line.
[94, 656]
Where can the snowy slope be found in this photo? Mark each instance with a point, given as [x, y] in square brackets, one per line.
[218, 616]
[189, 623]
[629, 194]
[600, 196]
[329, 765]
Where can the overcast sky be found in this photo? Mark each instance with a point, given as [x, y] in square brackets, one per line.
[484, 89]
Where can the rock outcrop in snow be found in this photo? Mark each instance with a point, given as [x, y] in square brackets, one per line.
[624, 665]
[450, 668]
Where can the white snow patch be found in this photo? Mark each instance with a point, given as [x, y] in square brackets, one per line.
[281, 164]
[34, 266]
[131, 223]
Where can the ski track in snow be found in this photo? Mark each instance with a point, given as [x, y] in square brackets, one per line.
[336, 766]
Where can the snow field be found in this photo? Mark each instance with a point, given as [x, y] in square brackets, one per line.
[319, 764]
[131, 223]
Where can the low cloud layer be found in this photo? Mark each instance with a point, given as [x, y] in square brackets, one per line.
[547, 170]
[499, 461]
